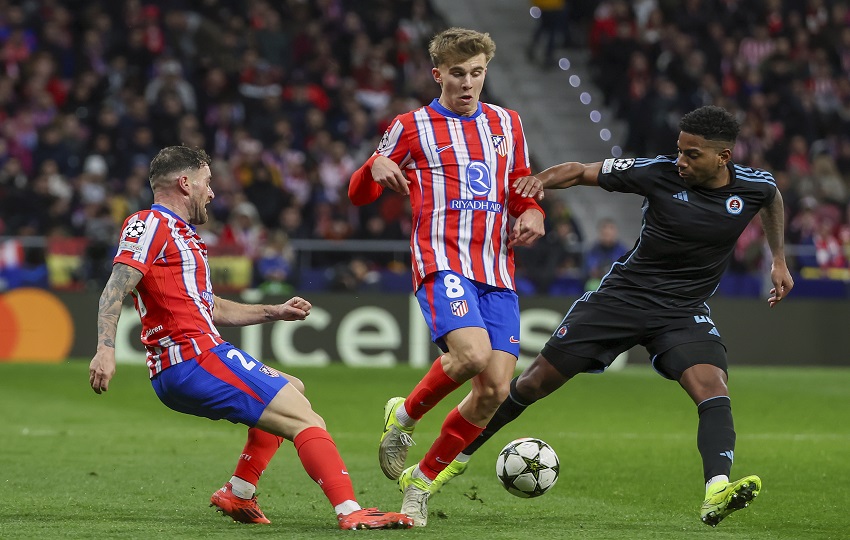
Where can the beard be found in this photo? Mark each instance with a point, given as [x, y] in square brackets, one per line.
[200, 215]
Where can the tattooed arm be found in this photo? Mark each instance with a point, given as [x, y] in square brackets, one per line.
[124, 279]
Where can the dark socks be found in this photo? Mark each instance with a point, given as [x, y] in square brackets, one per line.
[716, 436]
[508, 411]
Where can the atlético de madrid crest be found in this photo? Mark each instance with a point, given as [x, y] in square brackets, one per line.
[500, 144]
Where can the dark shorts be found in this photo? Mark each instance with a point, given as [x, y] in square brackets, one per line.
[222, 383]
[601, 330]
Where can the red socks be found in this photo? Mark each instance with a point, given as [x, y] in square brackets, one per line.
[457, 432]
[323, 463]
[258, 451]
[433, 387]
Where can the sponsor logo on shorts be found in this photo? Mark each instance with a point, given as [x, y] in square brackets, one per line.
[513, 340]
[562, 330]
[266, 370]
[459, 308]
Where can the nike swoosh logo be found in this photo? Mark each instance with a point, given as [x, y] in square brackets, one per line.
[441, 148]
[443, 462]
[514, 340]
[345, 473]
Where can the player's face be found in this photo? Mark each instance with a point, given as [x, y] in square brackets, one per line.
[702, 162]
[200, 196]
[461, 84]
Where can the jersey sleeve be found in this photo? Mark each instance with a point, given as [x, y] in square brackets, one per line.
[521, 163]
[630, 175]
[142, 241]
[362, 189]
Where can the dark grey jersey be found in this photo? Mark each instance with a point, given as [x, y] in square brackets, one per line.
[688, 233]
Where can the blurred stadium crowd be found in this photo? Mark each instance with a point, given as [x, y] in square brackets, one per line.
[783, 66]
[289, 97]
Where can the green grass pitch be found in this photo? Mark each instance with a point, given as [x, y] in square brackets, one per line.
[121, 465]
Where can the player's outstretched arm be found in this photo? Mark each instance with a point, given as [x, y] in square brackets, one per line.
[773, 223]
[229, 313]
[123, 279]
[560, 176]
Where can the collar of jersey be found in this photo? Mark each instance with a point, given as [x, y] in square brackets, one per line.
[160, 208]
[435, 104]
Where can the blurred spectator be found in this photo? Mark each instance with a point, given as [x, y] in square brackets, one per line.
[558, 255]
[603, 253]
[273, 267]
[285, 95]
[782, 67]
[355, 276]
[243, 234]
[551, 29]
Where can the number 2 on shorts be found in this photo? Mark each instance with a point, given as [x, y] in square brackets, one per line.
[246, 364]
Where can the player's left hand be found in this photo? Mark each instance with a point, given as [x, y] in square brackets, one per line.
[527, 229]
[294, 309]
[782, 283]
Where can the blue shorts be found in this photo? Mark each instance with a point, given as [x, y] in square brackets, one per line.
[224, 382]
[450, 301]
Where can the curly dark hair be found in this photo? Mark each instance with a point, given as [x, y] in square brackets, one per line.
[711, 123]
[175, 159]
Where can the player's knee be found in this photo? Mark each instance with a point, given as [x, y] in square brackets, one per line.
[539, 380]
[489, 395]
[501, 392]
[531, 387]
[473, 361]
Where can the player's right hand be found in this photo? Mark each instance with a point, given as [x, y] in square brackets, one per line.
[294, 309]
[529, 186]
[386, 173]
[102, 369]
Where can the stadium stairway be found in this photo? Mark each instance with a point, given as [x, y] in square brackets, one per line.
[557, 124]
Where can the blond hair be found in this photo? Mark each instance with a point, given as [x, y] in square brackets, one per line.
[457, 45]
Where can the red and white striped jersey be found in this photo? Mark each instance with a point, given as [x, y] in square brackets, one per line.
[460, 170]
[174, 297]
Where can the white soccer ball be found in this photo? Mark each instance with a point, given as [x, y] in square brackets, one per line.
[527, 467]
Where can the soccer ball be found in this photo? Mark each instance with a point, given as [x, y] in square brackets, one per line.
[527, 467]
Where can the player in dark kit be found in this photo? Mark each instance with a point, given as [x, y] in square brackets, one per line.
[696, 205]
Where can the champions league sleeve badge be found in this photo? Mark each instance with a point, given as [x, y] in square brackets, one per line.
[618, 164]
[385, 142]
[134, 230]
